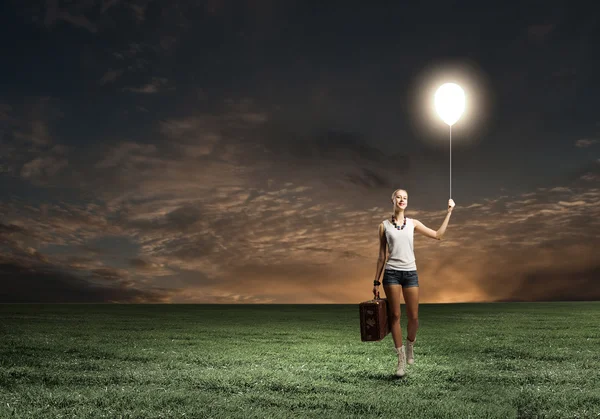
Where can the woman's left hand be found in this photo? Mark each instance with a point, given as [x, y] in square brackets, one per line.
[450, 205]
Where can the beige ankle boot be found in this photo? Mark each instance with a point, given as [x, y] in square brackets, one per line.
[400, 371]
[410, 353]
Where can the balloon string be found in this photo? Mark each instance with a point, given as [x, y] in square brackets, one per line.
[450, 161]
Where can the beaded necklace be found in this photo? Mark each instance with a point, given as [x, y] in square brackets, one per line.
[397, 226]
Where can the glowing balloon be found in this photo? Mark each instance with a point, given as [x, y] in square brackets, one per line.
[450, 102]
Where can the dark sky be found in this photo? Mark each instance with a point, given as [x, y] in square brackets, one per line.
[245, 151]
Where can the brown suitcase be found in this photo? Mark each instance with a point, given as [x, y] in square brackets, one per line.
[374, 324]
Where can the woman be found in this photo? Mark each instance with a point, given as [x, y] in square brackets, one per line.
[401, 271]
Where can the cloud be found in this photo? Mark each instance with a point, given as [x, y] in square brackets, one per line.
[221, 209]
[109, 274]
[55, 13]
[42, 167]
[158, 84]
[107, 4]
[585, 142]
[5, 111]
[186, 199]
[126, 152]
[202, 200]
[110, 76]
[540, 32]
[143, 265]
[97, 16]
[32, 276]
[28, 145]
[498, 250]
[41, 284]
[38, 135]
[167, 42]
[31, 121]
[139, 12]
[591, 177]
[558, 284]
[586, 175]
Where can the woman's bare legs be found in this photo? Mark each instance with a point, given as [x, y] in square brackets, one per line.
[411, 298]
[392, 292]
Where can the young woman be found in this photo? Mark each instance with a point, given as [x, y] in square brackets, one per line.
[401, 271]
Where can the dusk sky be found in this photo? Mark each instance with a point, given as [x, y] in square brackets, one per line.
[189, 151]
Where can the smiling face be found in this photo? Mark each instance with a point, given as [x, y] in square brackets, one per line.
[400, 199]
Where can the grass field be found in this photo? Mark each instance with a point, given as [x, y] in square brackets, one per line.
[502, 360]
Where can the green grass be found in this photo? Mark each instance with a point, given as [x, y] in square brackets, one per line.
[504, 360]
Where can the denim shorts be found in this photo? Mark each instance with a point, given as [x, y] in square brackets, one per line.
[405, 278]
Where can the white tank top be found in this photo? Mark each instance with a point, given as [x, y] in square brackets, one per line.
[400, 245]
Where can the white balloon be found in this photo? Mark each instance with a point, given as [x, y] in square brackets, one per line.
[450, 102]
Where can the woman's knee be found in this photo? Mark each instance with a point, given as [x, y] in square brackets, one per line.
[395, 317]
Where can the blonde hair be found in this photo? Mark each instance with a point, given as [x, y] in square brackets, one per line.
[394, 193]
